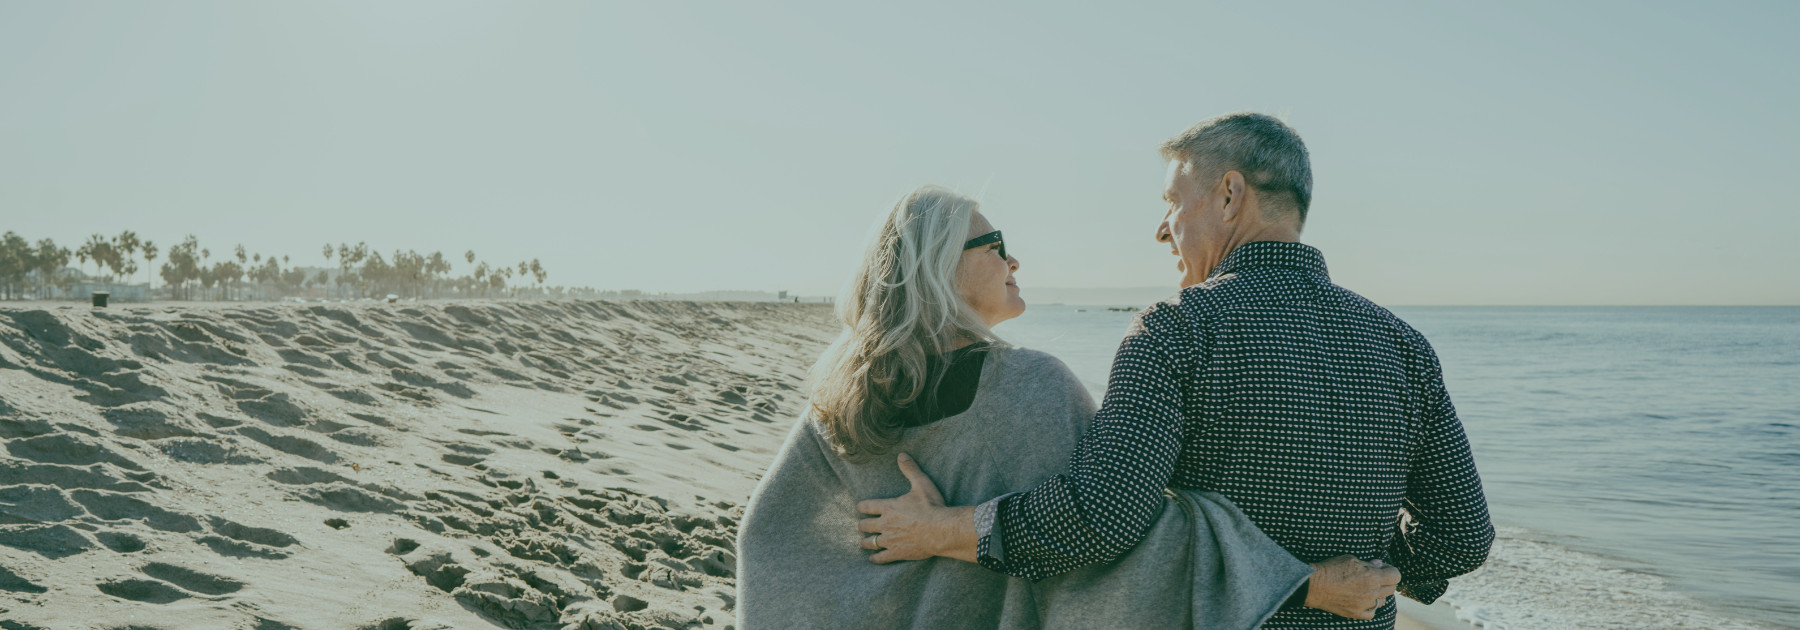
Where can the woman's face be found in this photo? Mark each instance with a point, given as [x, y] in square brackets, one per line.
[984, 279]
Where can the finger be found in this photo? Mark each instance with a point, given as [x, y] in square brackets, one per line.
[884, 556]
[868, 542]
[910, 469]
[919, 480]
[869, 525]
[873, 506]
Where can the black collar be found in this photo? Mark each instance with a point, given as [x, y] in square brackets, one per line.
[1271, 254]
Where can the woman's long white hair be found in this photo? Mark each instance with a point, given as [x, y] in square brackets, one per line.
[900, 307]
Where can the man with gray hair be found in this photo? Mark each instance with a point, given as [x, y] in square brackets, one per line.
[1321, 415]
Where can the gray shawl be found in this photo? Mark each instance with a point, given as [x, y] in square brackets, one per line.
[1202, 565]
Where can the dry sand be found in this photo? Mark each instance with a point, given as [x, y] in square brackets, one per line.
[444, 465]
[566, 465]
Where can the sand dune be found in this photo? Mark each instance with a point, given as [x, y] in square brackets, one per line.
[460, 465]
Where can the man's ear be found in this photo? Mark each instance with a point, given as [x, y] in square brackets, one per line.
[1234, 194]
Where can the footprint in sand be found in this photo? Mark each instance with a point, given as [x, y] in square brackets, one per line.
[163, 588]
[190, 579]
[303, 370]
[297, 356]
[10, 581]
[400, 623]
[372, 419]
[35, 504]
[304, 475]
[145, 422]
[70, 477]
[202, 450]
[627, 603]
[113, 506]
[238, 540]
[49, 541]
[347, 498]
[290, 444]
[355, 396]
[465, 454]
[259, 402]
[122, 542]
[67, 448]
[142, 590]
[462, 460]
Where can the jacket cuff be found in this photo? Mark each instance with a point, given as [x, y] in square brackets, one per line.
[989, 545]
[1425, 592]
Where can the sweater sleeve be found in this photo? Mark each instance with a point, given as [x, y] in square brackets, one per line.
[1444, 530]
[1113, 490]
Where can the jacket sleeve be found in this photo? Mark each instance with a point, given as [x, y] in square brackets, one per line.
[1113, 490]
[1444, 530]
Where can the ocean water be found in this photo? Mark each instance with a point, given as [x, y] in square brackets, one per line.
[1642, 463]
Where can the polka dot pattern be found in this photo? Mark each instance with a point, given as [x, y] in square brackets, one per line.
[1321, 415]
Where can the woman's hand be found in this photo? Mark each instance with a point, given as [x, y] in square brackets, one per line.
[916, 525]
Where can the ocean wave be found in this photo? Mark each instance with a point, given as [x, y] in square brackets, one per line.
[1533, 585]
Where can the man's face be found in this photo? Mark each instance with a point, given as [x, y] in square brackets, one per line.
[1194, 225]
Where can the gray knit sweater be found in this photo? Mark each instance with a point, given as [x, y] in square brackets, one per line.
[1203, 564]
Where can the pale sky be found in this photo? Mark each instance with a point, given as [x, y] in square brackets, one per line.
[1479, 153]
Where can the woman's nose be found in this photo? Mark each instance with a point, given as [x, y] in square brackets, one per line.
[1162, 232]
[1012, 263]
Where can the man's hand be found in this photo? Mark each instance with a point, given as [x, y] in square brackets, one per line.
[1348, 587]
[916, 525]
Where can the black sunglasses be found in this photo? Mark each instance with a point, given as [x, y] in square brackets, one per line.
[990, 237]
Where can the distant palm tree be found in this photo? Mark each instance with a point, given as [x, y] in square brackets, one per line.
[127, 242]
[149, 261]
[25, 268]
[125, 247]
[50, 260]
[205, 277]
[236, 274]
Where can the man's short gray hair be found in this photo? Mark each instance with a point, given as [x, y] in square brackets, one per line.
[1267, 151]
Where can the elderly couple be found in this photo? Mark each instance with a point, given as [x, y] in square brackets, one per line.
[1273, 450]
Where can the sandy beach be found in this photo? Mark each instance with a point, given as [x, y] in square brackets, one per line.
[570, 465]
[574, 465]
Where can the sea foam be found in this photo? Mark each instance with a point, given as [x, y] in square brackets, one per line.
[1532, 585]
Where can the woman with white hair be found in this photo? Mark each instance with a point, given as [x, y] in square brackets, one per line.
[919, 370]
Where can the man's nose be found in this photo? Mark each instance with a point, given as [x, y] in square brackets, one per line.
[1162, 232]
[1012, 263]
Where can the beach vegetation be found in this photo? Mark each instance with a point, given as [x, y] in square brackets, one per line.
[45, 270]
